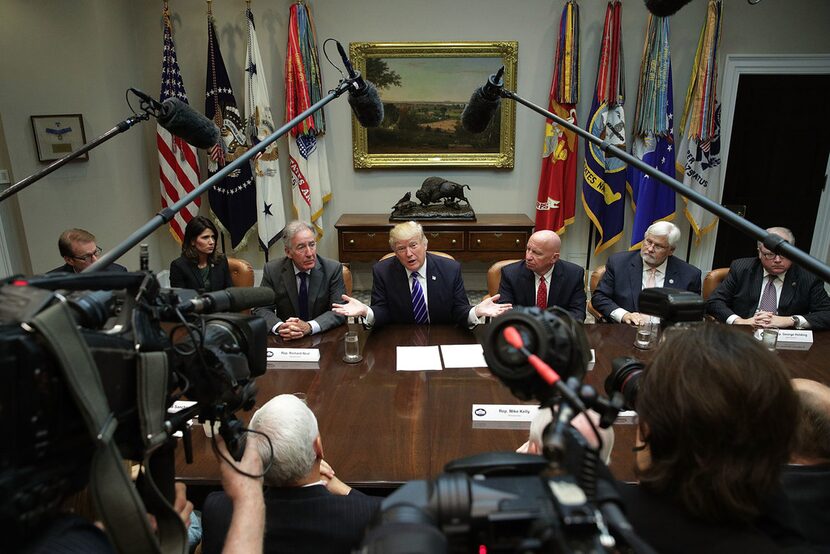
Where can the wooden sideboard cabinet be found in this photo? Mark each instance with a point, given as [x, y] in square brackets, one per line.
[492, 237]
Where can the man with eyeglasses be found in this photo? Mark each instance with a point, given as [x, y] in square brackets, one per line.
[79, 251]
[414, 286]
[769, 291]
[628, 273]
[305, 285]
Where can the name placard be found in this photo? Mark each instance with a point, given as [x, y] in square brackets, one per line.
[504, 413]
[293, 355]
[794, 339]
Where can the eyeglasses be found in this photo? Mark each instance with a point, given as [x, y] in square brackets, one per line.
[652, 244]
[771, 255]
[411, 246]
[88, 257]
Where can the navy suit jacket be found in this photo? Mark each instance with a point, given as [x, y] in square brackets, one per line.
[297, 520]
[325, 287]
[66, 268]
[802, 294]
[566, 288]
[622, 283]
[184, 273]
[446, 298]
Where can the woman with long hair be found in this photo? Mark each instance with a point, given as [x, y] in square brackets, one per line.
[200, 267]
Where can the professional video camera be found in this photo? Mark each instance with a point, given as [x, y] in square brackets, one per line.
[677, 309]
[508, 502]
[90, 368]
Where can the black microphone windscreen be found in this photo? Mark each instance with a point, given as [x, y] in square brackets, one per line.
[235, 299]
[663, 8]
[479, 111]
[188, 124]
[366, 105]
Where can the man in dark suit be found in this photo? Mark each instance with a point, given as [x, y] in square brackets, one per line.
[79, 251]
[544, 280]
[414, 286]
[769, 291]
[628, 273]
[307, 508]
[305, 285]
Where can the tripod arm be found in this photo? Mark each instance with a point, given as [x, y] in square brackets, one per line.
[117, 130]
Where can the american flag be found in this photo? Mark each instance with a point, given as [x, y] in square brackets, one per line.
[178, 165]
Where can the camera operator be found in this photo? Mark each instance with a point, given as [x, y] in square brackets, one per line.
[716, 417]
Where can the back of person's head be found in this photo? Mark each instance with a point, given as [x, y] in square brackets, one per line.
[195, 227]
[292, 428]
[544, 416]
[717, 414]
[812, 444]
[70, 236]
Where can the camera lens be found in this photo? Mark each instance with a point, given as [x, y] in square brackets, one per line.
[625, 379]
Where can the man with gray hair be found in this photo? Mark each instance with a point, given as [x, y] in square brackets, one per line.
[305, 285]
[628, 273]
[769, 291]
[414, 286]
[307, 508]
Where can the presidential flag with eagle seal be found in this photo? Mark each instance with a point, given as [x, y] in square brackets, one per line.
[270, 212]
[233, 200]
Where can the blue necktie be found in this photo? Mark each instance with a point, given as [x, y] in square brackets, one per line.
[419, 305]
[303, 295]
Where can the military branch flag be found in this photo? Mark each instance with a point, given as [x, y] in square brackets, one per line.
[270, 212]
[653, 140]
[233, 201]
[699, 158]
[178, 164]
[556, 200]
[603, 185]
[308, 163]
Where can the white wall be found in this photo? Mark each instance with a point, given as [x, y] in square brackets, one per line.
[85, 53]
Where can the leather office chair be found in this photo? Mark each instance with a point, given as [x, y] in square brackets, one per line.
[712, 280]
[596, 275]
[436, 252]
[347, 279]
[242, 272]
[494, 276]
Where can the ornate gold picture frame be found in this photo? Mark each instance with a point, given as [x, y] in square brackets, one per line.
[424, 87]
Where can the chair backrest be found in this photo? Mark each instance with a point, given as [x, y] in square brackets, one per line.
[596, 275]
[242, 272]
[713, 279]
[494, 276]
[436, 252]
[347, 279]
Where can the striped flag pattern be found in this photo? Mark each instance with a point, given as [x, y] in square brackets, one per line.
[178, 165]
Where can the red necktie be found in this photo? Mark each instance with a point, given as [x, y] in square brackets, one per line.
[542, 294]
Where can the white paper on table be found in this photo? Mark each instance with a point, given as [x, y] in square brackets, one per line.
[418, 358]
[463, 355]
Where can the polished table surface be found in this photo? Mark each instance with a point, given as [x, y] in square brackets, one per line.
[381, 427]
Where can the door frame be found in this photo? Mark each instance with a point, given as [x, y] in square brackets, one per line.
[764, 64]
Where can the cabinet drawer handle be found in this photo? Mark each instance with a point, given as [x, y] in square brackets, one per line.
[351, 241]
[454, 241]
[518, 242]
[478, 241]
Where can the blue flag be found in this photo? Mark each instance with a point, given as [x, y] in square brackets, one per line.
[603, 184]
[652, 200]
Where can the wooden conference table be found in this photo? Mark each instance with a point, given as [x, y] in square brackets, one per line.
[381, 427]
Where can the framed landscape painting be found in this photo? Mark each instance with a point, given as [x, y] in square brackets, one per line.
[424, 87]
